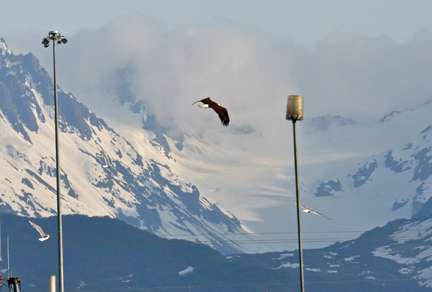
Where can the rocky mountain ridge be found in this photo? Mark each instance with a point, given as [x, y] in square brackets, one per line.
[145, 193]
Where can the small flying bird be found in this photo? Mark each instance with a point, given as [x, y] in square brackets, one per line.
[220, 110]
[39, 229]
[108, 164]
[308, 210]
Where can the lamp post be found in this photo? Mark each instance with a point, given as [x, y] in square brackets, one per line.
[294, 113]
[56, 37]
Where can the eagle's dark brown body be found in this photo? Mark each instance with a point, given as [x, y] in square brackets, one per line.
[220, 110]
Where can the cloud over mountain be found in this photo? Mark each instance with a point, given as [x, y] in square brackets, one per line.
[250, 72]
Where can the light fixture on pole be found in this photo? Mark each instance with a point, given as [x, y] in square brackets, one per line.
[56, 37]
[294, 113]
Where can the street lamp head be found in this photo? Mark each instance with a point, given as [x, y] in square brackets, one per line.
[294, 108]
[62, 41]
[46, 42]
[54, 36]
[53, 33]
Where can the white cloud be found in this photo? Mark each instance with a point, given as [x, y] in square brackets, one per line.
[352, 75]
[248, 71]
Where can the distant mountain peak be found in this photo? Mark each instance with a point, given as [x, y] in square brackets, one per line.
[4, 50]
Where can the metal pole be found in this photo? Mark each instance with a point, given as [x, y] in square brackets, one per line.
[1, 258]
[59, 214]
[9, 271]
[298, 207]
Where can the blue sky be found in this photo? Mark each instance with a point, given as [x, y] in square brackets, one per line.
[305, 22]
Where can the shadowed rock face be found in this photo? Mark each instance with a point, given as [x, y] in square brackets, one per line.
[326, 189]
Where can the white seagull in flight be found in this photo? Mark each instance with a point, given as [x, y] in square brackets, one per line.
[308, 210]
[39, 229]
[108, 164]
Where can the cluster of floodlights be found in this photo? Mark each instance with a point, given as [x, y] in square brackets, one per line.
[55, 36]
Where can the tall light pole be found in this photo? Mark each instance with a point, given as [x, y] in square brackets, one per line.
[56, 37]
[294, 113]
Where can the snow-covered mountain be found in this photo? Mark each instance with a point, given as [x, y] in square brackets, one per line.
[147, 192]
[360, 175]
[396, 182]
[248, 170]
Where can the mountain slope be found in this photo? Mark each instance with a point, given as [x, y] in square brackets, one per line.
[396, 256]
[146, 193]
[399, 178]
[102, 253]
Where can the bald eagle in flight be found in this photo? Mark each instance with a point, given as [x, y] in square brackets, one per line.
[220, 110]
